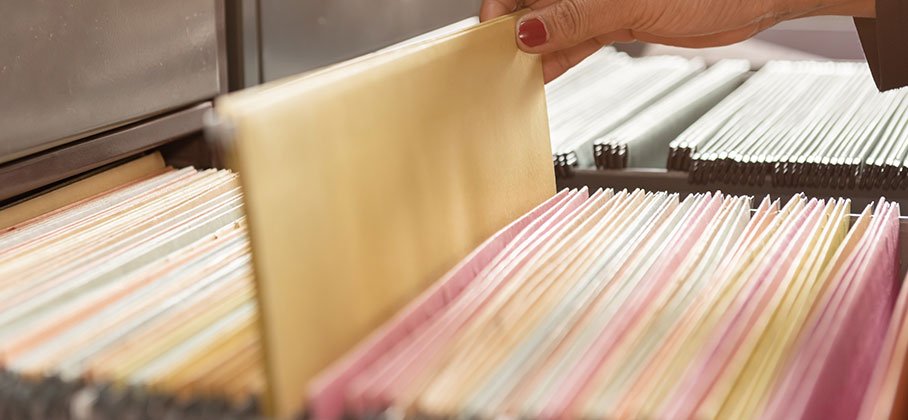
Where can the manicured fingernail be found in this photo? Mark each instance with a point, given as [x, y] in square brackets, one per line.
[532, 32]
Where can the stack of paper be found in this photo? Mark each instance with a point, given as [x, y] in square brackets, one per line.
[138, 296]
[836, 353]
[642, 141]
[885, 397]
[818, 124]
[601, 93]
[641, 305]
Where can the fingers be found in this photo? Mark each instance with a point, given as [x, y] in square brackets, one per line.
[556, 63]
[566, 23]
[707, 41]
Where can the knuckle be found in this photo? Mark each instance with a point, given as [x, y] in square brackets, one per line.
[644, 15]
[570, 20]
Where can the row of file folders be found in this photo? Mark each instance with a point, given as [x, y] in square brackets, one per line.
[798, 123]
[138, 302]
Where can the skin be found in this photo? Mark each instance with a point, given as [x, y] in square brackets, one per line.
[577, 28]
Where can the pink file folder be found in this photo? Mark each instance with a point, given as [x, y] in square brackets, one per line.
[326, 392]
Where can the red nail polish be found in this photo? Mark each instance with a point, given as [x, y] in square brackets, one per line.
[532, 32]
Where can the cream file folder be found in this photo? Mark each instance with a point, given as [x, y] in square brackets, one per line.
[368, 180]
[140, 168]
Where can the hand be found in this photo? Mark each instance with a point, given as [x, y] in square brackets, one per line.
[567, 31]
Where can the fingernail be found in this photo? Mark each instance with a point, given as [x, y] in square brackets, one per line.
[532, 32]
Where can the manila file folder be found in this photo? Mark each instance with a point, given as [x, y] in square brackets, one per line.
[366, 181]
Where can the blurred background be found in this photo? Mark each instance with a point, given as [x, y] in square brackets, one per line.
[284, 37]
[87, 83]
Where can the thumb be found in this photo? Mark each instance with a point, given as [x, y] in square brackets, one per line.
[566, 23]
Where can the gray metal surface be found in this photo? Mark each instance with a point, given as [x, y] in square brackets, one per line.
[72, 68]
[243, 43]
[37, 171]
[299, 35]
[675, 181]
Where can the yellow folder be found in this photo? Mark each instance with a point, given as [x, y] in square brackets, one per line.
[366, 181]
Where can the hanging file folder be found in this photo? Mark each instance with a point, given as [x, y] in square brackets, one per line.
[367, 179]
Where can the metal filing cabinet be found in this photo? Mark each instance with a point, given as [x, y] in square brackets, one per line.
[278, 38]
[86, 83]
